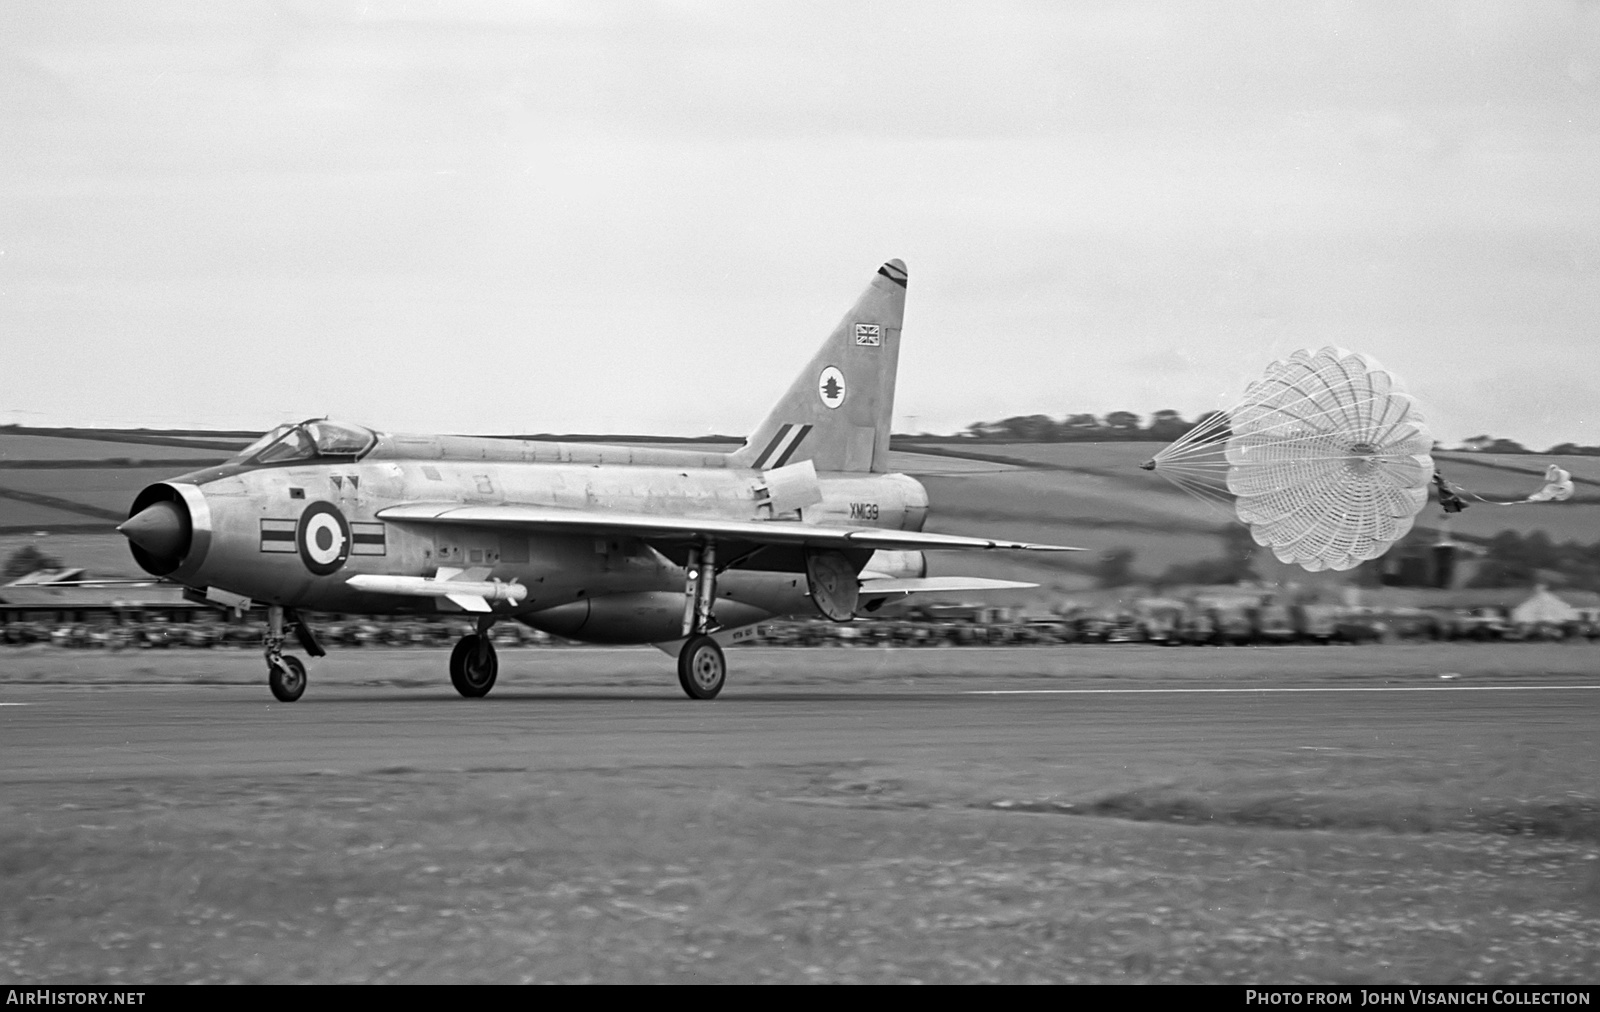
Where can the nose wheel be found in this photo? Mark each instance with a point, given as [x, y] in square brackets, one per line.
[286, 675]
[286, 678]
[701, 668]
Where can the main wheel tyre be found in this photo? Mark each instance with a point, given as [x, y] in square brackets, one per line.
[472, 677]
[287, 680]
[702, 668]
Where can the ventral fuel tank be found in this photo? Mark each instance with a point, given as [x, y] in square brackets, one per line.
[651, 616]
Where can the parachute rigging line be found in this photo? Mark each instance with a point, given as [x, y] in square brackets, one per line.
[1558, 487]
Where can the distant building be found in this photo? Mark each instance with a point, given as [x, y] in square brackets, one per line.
[1545, 606]
[1516, 604]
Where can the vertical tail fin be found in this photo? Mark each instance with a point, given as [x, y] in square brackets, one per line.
[837, 412]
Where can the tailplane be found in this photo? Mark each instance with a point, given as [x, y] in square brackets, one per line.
[837, 412]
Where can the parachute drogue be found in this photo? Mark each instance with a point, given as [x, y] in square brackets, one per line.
[1325, 458]
[1557, 488]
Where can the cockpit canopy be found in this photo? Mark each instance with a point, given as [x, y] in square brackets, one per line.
[313, 439]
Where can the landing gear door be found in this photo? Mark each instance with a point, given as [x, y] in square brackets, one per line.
[833, 584]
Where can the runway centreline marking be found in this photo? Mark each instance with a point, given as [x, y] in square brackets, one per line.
[16, 704]
[1326, 688]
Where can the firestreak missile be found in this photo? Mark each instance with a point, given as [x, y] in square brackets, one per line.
[470, 595]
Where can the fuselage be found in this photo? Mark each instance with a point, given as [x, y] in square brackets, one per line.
[291, 530]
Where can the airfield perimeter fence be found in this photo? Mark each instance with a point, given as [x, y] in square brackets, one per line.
[190, 630]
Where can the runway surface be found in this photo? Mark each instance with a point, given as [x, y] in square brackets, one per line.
[1072, 721]
[55, 732]
[836, 815]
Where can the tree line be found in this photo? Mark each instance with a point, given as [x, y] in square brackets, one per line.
[1509, 559]
[1512, 559]
[1163, 426]
[1233, 563]
[1492, 444]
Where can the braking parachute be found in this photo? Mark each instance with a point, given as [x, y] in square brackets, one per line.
[1325, 458]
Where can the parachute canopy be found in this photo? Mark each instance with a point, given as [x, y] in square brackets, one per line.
[1325, 458]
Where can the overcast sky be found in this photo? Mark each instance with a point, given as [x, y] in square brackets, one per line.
[642, 218]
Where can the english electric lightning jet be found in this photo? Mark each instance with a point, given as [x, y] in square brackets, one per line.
[684, 549]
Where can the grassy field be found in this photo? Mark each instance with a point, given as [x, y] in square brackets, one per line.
[1103, 480]
[44, 517]
[28, 447]
[768, 876]
[108, 488]
[1093, 495]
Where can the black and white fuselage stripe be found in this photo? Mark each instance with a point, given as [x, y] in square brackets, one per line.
[783, 445]
[278, 536]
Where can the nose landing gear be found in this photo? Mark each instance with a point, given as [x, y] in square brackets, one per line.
[286, 675]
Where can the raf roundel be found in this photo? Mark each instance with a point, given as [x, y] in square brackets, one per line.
[830, 387]
[323, 538]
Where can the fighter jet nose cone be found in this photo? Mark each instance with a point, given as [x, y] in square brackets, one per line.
[160, 529]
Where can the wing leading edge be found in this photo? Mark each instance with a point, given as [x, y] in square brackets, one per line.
[774, 532]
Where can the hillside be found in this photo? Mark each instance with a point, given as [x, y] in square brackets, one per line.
[1094, 495]
[76, 485]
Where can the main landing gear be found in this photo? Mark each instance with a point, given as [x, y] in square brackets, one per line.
[473, 663]
[286, 675]
[701, 667]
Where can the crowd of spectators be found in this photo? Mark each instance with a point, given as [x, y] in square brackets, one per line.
[1187, 627]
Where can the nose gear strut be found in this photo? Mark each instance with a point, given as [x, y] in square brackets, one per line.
[286, 675]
